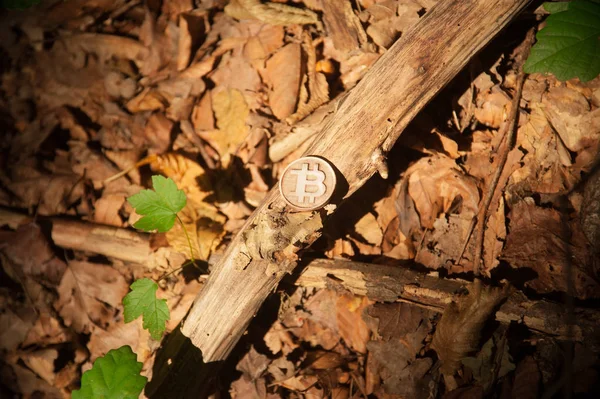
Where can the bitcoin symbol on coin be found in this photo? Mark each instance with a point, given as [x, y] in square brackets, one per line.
[309, 185]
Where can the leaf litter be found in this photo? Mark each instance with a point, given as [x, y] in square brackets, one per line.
[220, 98]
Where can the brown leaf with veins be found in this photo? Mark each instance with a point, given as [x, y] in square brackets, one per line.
[282, 75]
[403, 329]
[231, 111]
[458, 332]
[435, 183]
[537, 242]
[90, 294]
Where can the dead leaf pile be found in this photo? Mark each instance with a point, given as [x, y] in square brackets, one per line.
[96, 96]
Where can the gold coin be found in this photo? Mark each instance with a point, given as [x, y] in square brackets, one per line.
[307, 183]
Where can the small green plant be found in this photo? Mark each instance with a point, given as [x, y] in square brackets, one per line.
[159, 207]
[116, 375]
[569, 45]
[142, 301]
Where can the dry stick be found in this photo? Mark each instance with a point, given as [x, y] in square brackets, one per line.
[503, 156]
[371, 118]
[380, 283]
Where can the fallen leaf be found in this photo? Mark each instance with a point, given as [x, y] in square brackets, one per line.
[537, 241]
[435, 183]
[41, 362]
[351, 326]
[458, 332]
[90, 294]
[368, 228]
[282, 74]
[231, 112]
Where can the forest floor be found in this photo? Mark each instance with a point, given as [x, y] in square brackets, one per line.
[221, 98]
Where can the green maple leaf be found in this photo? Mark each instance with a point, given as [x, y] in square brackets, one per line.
[115, 375]
[569, 45]
[142, 301]
[159, 207]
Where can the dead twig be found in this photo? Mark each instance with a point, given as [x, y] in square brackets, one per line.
[502, 155]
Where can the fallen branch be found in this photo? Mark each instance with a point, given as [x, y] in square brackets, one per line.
[380, 283]
[369, 120]
[391, 284]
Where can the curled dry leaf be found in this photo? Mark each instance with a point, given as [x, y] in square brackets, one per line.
[314, 89]
[458, 332]
[435, 183]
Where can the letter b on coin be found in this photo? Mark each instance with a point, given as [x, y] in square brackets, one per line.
[307, 183]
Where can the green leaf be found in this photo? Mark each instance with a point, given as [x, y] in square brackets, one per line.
[142, 301]
[553, 8]
[159, 207]
[569, 45]
[114, 376]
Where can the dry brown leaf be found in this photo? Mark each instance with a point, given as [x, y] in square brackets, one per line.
[157, 133]
[493, 108]
[568, 112]
[147, 100]
[117, 335]
[181, 303]
[303, 383]
[204, 233]
[51, 194]
[107, 46]
[342, 248]
[235, 72]
[263, 41]
[26, 382]
[28, 250]
[435, 183]
[41, 362]
[231, 111]
[402, 331]
[282, 74]
[14, 328]
[368, 228]
[202, 115]
[536, 242]
[356, 66]
[187, 174]
[270, 13]
[107, 209]
[90, 294]
[278, 339]
[119, 86]
[46, 331]
[191, 28]
[351, 326]
[314, 89]
[527, 379]
[458, 332]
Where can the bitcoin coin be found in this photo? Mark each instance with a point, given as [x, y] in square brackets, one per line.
[307, 183]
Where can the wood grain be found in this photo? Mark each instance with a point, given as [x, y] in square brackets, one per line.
[370, 119]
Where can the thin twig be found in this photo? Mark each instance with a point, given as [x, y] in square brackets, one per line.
[502, 156]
